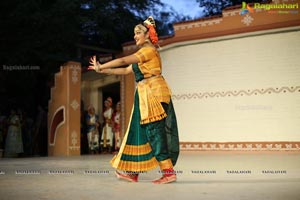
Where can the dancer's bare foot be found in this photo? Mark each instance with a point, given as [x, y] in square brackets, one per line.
[127, 177]
[165, 179]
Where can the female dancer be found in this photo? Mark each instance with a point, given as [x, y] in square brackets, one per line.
[151, 139]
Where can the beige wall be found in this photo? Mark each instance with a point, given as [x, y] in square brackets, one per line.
[243, 87]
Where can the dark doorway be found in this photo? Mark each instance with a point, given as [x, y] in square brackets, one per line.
[113, 91]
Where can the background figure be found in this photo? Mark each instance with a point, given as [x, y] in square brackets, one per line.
[13, 144]
[92, 122]
[107, 133]
[1, 135]
[116, 126]
[40, 134]
[27, 129]
[84, 147]
[2, 132]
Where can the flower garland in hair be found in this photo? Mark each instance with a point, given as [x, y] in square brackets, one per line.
[152, 34]
[150, 24]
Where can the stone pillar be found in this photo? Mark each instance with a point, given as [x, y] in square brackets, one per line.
[64, 112]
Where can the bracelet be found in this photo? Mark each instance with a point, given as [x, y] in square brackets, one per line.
[110, 71]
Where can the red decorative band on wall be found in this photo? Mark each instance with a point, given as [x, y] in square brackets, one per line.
[240, 146]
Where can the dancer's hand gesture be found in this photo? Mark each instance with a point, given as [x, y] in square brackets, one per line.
[95, 65]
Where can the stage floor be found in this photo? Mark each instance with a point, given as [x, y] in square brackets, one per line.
[201, 175]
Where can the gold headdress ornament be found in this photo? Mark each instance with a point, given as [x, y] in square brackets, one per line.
[149, 21]
[150, 24]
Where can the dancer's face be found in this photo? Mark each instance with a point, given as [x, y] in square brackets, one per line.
[140, 35]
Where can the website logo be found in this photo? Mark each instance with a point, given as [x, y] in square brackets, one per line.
[271, 8]
[279, 8]
[246, 9]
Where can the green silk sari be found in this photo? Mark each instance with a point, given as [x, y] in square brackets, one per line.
[146, 146]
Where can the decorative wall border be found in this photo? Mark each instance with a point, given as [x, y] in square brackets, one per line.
[231, 13]
[240, 146]
[196, 24]
[236, 93]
